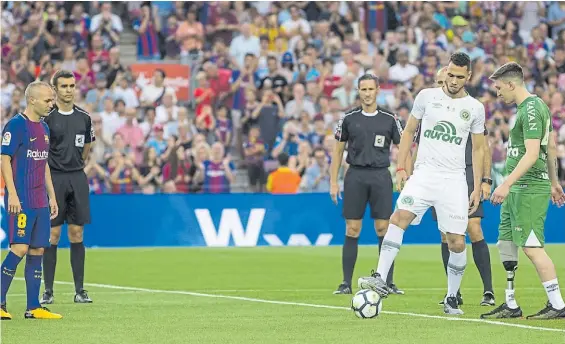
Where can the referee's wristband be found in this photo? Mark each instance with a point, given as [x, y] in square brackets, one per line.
[487, 180]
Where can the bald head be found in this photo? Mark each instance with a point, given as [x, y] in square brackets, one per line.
[36, 88]
[440, 77]
[39, 98]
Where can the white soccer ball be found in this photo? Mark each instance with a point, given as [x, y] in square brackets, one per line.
[366, 304]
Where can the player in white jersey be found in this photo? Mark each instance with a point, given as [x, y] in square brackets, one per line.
[447, 115]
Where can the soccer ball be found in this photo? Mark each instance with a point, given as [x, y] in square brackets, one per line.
[366, 304]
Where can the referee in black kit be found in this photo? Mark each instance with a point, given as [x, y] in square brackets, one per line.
[71, 136]
[368, 132]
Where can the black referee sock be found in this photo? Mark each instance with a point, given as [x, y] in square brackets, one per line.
[349, 257]
[389, 278]
[77, 264]
[49, 265]
[445, 255]
[481, 256]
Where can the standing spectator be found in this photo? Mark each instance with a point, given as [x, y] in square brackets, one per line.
[254, 152]
[189, 35]
[283, 180]
[148, 28]
[317, 176]
[176, 176]
[224, 127]
[218, 172]
[150, 172]
[243, 45]
[152, 94]
[106, 20]
[167, 111]
[123, 174]
[132, 133]
[294, 107]
[97, 96]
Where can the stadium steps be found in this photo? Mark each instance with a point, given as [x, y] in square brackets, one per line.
[128, 46]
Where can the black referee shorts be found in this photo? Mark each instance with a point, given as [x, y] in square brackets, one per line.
[470, 187]
[72, 193]
[366, 185]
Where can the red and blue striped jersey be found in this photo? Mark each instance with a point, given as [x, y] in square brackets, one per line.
[27, 143]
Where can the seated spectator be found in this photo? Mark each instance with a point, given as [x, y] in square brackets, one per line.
[316, 136]
[244, 44]
[254, 153]
[283, 180]
[176, 171]
[172, 49]
[294, 107]
[302, 160]
[317, 175]
[218, 172]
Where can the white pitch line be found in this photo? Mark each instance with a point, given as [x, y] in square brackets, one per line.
[73, 293]
[288, 303]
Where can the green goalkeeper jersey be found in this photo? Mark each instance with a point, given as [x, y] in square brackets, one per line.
[533, 121]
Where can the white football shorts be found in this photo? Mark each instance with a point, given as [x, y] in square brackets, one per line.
[449, 197]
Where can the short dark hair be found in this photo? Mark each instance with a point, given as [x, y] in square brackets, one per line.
[461, 60]
[162, 72]
[368, 77]
[508, 70]
[283, 159]
[61, 74]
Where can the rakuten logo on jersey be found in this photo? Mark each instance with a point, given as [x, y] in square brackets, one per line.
[444, 131]
[37, 155]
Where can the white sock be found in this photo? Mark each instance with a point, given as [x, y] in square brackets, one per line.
[455, 269]
[554, 294]
[389, 249]
[510, 299]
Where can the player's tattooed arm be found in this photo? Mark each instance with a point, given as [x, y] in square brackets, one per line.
[487, 164]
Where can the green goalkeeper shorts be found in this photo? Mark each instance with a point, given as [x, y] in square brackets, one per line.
[522, 219]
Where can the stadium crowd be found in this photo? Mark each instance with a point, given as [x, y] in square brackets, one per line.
[269, 80]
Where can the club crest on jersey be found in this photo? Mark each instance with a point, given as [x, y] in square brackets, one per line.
[6, 139]
[46, 138]
[408, 200]
[465, 115]
[444, 131]
[21, 233]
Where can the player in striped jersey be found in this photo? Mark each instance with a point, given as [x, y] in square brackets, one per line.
[29, 196]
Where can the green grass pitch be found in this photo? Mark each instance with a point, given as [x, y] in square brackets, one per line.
[271, 295]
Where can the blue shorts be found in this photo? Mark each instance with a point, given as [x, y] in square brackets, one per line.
[30, 227]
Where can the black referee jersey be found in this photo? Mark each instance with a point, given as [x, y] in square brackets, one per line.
[69, 131]
[369, 136]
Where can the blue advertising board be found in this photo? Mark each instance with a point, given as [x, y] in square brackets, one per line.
[248, 220]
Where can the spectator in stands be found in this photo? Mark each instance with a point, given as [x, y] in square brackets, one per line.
[109, 25]
[287, 141]
[254, 153]
[152, 94]
[167, 111]
[176, 171]
[189, 35]
[158, 140]
[96, 97]
[283, 180]
[224, 127]
[148, 27]
[98, 177]
[84, 76]
[150, 172]
[317, 175]
[124, 176]
[294, 107]
[218, 172]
